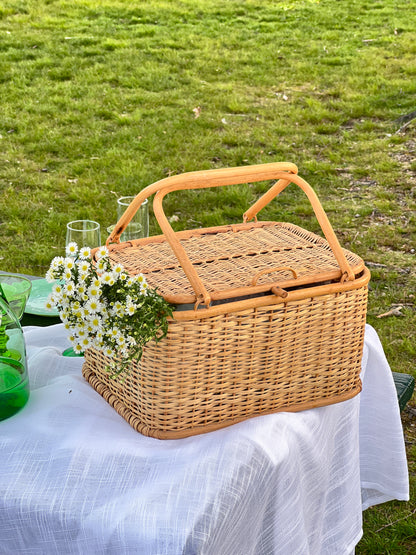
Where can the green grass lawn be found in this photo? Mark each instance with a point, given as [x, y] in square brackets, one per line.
[101, 98]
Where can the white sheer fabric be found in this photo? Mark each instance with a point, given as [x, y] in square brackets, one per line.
[76, 478]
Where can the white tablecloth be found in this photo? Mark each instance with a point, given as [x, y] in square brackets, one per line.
[76, 478]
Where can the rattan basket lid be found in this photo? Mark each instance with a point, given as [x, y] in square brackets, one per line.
[234, 261]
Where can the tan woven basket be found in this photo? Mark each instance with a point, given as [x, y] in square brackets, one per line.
[270, 317]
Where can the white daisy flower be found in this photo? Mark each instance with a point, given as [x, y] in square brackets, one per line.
[102, 252]
[78, 349]
[86, 313]
[85, 252]
[94, 291]
[118, 269]
[83, 266]
[49, 304]
[101, 265]
[95, 322]
[117, 310]
[70, 288]
[57, 263]
[69, 263]
[121, 340]
[64, 314]
[130, 309]
[93, 306]
[107, 279]
[131, 341]
[57, 290]
[81, 289]
[104, 313]
[85, 343]
[50, 276]
[71, 249]
[114, 332]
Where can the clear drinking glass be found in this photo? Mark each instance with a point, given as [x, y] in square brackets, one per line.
[138, 227]
[85, 233]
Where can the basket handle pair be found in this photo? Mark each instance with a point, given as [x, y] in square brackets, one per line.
[284, 172]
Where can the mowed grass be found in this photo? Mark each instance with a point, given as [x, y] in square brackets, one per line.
[101, 98]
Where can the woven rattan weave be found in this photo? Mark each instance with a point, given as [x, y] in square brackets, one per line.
[270, 317]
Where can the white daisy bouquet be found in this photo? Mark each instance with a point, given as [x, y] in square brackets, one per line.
[104, 308]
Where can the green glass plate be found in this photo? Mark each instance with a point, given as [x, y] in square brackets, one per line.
[38, 297]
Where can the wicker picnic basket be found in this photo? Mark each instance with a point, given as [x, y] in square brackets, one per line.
[270, 317]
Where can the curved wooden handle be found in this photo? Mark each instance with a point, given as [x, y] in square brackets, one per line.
[196, 180]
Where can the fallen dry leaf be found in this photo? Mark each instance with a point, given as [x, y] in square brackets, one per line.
[396, 311]
[197, 111]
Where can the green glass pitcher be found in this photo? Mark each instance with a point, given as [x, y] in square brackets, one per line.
[14, 382]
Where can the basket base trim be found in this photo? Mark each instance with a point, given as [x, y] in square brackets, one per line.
[145, 430]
